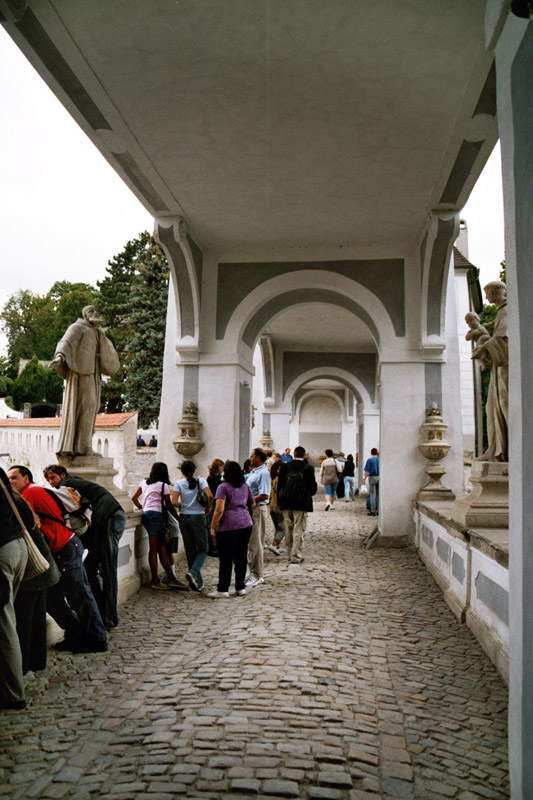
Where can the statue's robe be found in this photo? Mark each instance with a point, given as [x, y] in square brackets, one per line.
[88, 354]
[498, 397]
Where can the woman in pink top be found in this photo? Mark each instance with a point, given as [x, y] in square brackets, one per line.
[154, 493]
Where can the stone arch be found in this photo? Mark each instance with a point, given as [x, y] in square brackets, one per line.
[351, 382]
[267, 301]
[318, 392]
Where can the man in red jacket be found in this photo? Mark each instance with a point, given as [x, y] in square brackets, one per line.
[84, 630]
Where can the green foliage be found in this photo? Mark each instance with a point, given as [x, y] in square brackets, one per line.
[5, 385]
[146, 348]
[36, 383]
[115, 307]
[34, 324]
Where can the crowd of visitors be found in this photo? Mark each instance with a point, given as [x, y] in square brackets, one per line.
[223, 515]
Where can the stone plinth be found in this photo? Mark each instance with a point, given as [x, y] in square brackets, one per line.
[99, 469]
[487, 505]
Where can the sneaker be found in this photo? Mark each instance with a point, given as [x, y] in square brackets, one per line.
[216, 595]
[327, 507]
[274, 549]
[240, 592]
[193, 583]
[254, 581]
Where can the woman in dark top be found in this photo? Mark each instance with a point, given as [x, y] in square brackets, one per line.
[234, 502]
[349, 478]
[214, 479]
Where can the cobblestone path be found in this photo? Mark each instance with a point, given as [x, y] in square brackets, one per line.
[345, 677]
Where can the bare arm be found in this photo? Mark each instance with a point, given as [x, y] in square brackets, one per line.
[176, 499]
[135, 498]
[209, 494]
[217, 516]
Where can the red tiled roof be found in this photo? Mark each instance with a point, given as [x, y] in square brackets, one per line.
[459, 260]
[102, 421]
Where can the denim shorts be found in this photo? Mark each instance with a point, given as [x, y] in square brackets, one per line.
[153, 522]
[331, 488]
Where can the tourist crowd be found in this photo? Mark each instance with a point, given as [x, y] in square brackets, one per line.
[223, 515]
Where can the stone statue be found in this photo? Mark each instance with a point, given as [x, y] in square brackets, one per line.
[497, 347]
[478, 333]
[82, 356]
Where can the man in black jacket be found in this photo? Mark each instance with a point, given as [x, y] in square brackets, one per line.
[296, 488]
[101, 540]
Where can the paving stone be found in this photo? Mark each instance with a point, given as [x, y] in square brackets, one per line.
[350, 664]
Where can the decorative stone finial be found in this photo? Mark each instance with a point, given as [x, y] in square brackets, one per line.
[188, 444]
[434, 448]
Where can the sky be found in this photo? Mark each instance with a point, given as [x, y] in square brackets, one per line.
[64, 212]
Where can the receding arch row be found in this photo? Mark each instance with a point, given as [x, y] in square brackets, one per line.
[342, 376]
[296, 297]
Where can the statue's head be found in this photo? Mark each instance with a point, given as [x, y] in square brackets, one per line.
[90, 314]
[496, 292]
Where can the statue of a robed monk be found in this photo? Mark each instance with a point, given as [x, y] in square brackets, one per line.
[497, 347]
[82, 356]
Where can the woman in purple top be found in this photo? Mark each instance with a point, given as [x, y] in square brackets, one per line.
[234, 501]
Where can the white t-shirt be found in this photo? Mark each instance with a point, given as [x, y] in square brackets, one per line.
[151, 495]
[189, 503]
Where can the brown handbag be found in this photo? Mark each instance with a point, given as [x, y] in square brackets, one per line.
[37, 563]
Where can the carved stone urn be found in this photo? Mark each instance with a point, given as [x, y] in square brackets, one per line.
[266, 441]
[188, 443]
[434, 448]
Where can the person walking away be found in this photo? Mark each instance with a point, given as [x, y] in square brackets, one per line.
[349, 478]
[232, 526]
[372, 473]
[329, 478]
[101, 541]
[214, 479]
[296, 489]
[187, 496]
[154, 494]
[276, 514]
[260, 484]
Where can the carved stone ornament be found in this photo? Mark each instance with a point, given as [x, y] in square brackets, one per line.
[434, 448]
[188, 443]
[266, 441]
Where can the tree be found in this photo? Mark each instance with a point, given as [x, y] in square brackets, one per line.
[36, 383]
[34, 324]
[147, 346]
[115, 306]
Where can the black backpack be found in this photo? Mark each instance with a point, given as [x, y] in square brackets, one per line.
[294, 493]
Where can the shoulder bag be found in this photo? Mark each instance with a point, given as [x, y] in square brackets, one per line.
[37, 563]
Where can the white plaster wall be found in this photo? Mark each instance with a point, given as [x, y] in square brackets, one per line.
[452, 397]
[427, 537]
[482, 565]
[462, 298]
[6, 412]
[36, 448]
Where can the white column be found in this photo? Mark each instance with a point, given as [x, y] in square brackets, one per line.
[369, 436]
[401, 467]
[514, 65]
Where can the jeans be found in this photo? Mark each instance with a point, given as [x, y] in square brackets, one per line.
[373, 486]
[232, 549]
[85, 627]
[101, 565]
[13, 558]
[194, 533]
[349, 487]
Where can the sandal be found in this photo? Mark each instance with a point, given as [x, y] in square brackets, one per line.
[162, 586]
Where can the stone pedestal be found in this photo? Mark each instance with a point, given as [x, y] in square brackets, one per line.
[99, 469]
[434, 448]
[487, 505]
